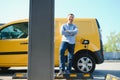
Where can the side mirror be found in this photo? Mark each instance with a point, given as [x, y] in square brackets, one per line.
[0, 35]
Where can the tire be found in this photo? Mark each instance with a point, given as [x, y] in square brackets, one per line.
[4, 68]
[84, 63]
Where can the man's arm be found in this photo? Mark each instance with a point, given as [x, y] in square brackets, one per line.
[73, 32]
[64, 32]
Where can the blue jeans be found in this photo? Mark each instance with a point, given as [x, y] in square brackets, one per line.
[64, 46]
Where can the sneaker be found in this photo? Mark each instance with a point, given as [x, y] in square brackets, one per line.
[67, 72]
[61, 73]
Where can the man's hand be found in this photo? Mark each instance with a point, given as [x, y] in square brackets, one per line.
[69, 32]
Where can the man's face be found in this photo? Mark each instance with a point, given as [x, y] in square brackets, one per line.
[70, 18]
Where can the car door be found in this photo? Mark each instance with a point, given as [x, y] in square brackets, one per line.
[14, 44]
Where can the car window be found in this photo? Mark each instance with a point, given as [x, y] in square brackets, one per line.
[15, 31]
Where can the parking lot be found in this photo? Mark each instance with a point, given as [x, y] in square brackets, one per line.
[108, 67]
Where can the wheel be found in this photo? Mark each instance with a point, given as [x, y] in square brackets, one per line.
[84, 63]
[4, 68]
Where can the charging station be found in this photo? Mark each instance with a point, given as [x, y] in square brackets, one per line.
[41, 40]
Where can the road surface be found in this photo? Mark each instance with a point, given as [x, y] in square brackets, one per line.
[99, 74]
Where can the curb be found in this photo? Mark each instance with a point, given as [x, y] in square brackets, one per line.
[111, 60]
[111, 77]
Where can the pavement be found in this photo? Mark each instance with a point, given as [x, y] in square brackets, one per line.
[108, 67]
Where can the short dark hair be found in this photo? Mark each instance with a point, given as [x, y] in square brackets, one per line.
[71, 14]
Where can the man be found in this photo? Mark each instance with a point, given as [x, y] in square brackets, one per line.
[68, 32]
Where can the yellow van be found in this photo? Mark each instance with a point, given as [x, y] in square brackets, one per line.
[88, 49]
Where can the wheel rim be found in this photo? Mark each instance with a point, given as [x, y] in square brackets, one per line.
[85, 64]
